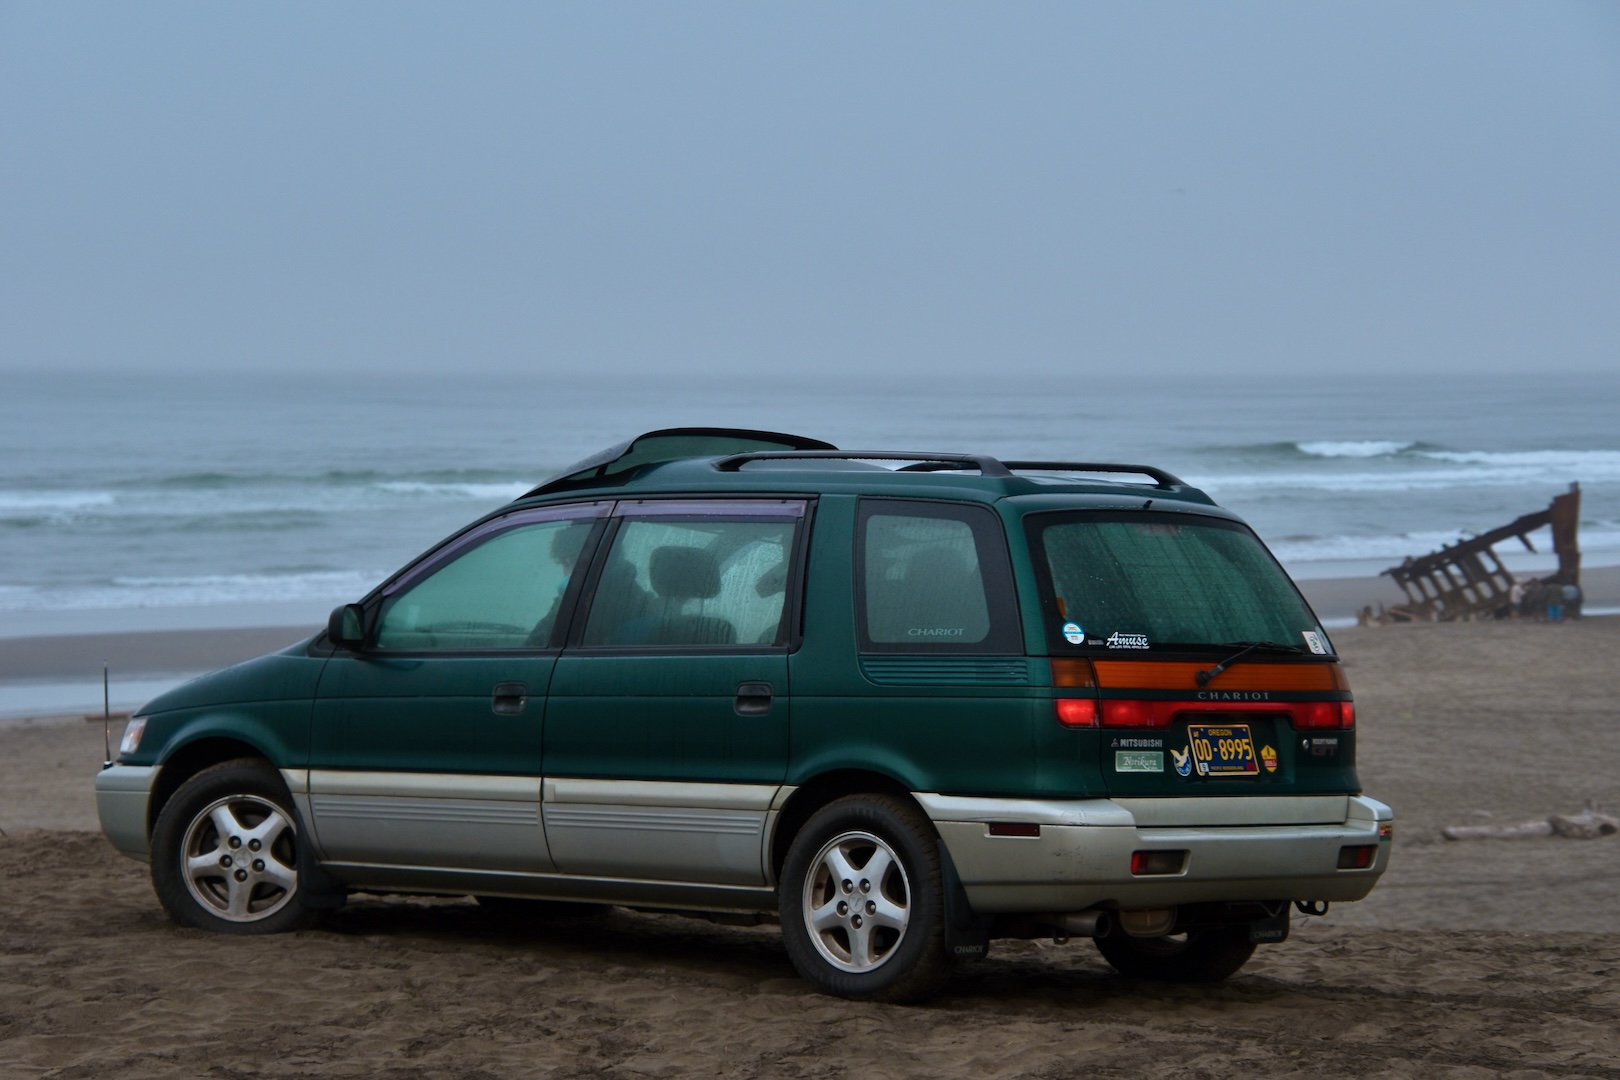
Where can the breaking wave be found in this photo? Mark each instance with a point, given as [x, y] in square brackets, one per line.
[333, 586]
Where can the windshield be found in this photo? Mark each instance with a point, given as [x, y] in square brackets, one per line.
[1122, 582]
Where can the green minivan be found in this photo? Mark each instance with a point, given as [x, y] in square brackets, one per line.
[907, 703]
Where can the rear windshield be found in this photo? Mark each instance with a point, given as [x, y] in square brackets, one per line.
[1125, 582]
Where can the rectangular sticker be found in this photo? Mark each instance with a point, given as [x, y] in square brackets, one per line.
[1145, 761]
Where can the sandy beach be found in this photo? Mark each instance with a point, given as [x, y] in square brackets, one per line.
[1472, 958]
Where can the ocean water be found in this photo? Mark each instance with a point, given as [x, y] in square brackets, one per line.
[184, 500]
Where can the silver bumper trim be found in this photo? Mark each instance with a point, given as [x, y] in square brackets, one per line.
[1082, 856]
[122, 795]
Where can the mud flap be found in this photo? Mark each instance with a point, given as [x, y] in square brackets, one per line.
[1271, 929]
[967, 935]
[316, 887]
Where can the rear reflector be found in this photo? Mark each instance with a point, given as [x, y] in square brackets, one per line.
[1076, 712]
[1144, 863]
[1015, 828]
[1357, 856]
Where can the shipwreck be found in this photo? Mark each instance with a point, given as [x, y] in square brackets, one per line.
[1467, 580]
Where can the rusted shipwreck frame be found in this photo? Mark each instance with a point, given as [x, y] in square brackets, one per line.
[1467, 580]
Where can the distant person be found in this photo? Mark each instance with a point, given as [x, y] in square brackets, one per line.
[1516, 600]
[1572, 600]
[566, 545]
[1535, 600]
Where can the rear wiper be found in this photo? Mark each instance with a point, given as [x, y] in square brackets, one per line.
[1244, 649]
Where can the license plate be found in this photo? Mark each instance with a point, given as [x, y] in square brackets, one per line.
[1225, 750]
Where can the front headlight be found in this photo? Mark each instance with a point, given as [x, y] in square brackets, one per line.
[132, 735]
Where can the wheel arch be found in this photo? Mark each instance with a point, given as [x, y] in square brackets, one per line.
[190, 759]
[820, 790]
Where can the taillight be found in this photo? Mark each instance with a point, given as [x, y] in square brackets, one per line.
[1145, 713]
[1076, 712]
[1127, 712]
[1320, 715]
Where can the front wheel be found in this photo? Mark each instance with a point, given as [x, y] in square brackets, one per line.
[1204, 954]
[225, 852]
[861, 901]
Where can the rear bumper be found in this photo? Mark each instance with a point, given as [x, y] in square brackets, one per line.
[122, 795]
[1082, 855]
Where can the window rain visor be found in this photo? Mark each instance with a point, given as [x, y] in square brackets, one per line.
[1121, 582]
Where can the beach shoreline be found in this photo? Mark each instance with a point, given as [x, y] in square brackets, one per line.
[1469, 958]
[60, 672]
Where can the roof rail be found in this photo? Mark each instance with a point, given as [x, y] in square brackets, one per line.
[1159, 477]
[925, 462]
[928, 462]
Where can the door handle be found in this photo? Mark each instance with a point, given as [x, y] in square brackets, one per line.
[509, 698]
[753, 698]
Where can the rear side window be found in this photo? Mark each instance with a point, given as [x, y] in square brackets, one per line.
[1133, 581]
[694, 579]
[933, 577]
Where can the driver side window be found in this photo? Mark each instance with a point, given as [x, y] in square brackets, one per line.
[505, 592]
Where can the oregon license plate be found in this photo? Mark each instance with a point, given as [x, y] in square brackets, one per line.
[1225, 750]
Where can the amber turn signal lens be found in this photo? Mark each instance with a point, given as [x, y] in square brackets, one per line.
[1070, 672]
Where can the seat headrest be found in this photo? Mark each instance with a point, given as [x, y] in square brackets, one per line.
[684, 573]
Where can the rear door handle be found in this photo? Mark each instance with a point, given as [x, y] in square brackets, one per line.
[509, 698]
[754, 698]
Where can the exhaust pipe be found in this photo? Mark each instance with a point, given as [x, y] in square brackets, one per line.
[1093, 924]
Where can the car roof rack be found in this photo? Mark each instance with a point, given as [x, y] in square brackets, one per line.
[930, 462]
[924, 462]
[1159, 477]
[673, 444]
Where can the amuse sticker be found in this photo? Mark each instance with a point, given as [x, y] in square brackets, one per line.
[1119, 640]
[1073, 634]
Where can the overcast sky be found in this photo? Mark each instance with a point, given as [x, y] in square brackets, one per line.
[1150, 188]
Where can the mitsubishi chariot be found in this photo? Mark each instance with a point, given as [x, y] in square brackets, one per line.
[905, 703]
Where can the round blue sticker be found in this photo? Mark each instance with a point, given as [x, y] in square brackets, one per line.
[1073, 634]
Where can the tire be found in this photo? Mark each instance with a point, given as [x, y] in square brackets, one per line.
[1202, 955]
[861, 901]
[225, 852]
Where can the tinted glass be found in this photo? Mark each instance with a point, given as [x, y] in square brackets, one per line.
[933, 577]
[923, 581]
[503, 593]
[692, 583]
[1156, 580]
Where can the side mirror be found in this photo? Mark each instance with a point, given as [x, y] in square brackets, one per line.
[347, 626]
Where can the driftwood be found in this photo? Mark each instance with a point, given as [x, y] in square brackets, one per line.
[1589, 824]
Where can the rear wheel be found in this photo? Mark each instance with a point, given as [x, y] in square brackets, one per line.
[225, 852]
[861, 901]
[1203, 954]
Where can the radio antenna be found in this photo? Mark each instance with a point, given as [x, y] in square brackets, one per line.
[106, 719]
